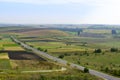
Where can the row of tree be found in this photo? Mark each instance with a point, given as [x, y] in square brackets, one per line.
[114, 32]
[41, 49]
[111, 50]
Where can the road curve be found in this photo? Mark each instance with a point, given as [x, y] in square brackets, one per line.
[40, 53]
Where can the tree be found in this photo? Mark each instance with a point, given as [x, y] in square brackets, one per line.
[86, 70]
[106, 69]
[61, 56]
[78, 62]
[45, 50]
[40, 49]
[114, 32]
[79, 31]
[113, 49]
[97, 51]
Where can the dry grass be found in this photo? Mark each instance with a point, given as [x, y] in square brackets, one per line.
[45, 33]
[33, 65]
[14, 48]
[4, 56]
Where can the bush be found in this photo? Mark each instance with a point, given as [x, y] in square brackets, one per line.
[97, 51]
[78, 62]
[113, 49]
[45, 50]
[61, 56]
[86, 70]
[67, 54]
[113, 32]
[106, 69]
[40, 49]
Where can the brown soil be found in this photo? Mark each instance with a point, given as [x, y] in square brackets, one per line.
[23, 55]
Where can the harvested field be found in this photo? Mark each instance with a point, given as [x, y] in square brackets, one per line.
[14, 48]
[4, 56]
[33, 65]
[45, 32]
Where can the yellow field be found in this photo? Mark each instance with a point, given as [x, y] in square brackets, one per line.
[13, 64]
[4, 56]
[45, 33]
[14, 48]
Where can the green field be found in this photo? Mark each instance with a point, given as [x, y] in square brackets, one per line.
[73, 48]
[4, 61]
[80, 50]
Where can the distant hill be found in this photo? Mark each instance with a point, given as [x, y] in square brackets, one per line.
[91, 26]
[45, 32]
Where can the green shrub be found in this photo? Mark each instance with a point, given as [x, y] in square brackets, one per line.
[86, 70]
[61, 56]
[97, 51]
[113, 49]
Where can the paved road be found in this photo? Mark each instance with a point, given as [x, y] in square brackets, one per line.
[40, 53]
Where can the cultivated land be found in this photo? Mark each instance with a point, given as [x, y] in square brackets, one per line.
[15, 60]
[66, 45]
[80, 49]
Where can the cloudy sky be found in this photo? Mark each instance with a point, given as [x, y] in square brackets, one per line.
[60, 11]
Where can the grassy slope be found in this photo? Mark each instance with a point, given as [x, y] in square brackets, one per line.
[107, 59]
[46, 33]
[69, 75]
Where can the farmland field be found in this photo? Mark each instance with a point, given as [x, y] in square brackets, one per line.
[77, 49]
[80, 49]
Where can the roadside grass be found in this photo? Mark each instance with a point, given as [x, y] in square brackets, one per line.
[97, 61]
[59, 47]
[47, 45]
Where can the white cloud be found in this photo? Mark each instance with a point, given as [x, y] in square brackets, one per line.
[107, 13]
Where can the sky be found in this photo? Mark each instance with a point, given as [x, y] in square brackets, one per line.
[60, 11]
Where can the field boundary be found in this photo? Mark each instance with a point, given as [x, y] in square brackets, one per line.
[39, 71]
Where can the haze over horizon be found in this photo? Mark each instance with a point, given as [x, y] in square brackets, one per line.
[60, 11]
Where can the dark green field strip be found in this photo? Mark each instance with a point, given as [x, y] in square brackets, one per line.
[10, 45]
[5, 64]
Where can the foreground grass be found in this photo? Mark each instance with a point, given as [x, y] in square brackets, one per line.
[67, 75]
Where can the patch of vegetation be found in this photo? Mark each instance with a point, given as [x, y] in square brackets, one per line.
[114, 49]
[5, 64]
[86, 70]
[68, 75]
